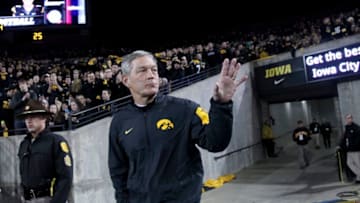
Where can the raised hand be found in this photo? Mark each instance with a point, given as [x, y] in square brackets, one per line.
[227, 84]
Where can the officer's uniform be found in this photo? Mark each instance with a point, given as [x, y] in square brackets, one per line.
[153, 155]
[46, 165]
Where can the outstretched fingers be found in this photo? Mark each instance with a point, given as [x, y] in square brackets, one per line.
[233, 68]
[242, 79]
[225, 68]
[230, 68]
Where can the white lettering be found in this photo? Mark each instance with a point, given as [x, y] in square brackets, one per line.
[313, 60]
[331, 56]
[318, 73]
[349, 66]
[351, 52]
[17, 21]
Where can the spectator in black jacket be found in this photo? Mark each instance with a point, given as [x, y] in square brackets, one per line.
[18, 102]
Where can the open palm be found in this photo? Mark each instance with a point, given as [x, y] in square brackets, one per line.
[227, 84]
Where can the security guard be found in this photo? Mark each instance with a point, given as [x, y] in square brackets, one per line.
[46, 165]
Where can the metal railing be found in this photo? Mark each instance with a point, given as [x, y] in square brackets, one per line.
[287, 133]
[101, 111]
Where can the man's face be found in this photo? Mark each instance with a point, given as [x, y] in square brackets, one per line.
[53, 108]
[108, 74]
[36, 78]
[119, 78]
[91, 77]
[143, 80]
[81, 98]
[23, 86]
[35, 123]
[105, 95]
[349, 119]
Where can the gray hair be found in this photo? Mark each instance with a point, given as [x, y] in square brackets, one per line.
[126, 63]
[349, 115]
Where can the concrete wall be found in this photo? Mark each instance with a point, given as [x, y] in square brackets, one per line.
[90, 149]
[246, 130]
[9, 165]
[349, 100]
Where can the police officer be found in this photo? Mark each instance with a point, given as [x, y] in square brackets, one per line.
[46, 165]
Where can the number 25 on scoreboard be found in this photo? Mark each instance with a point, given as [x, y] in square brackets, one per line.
[38, 36]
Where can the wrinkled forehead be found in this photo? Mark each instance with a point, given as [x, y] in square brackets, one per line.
[143, 61]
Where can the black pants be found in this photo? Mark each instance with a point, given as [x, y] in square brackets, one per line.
[270, 146]
[327, 140]
[350, 175]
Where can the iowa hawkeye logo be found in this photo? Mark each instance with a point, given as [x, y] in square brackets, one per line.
[164, 124]
[278, 71]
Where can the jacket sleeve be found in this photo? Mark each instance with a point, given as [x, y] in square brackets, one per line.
[33, 95]
[213, 131]
[341, 142]
[64, 171]
[308, 132]
[118, 164]
[16, 101]
[293, 136]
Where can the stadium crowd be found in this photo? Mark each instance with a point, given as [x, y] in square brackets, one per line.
[74, 81]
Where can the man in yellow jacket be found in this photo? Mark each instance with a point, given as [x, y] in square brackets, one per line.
[268, 139]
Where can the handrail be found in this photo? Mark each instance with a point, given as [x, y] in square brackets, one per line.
[248, 146]
[91, 114]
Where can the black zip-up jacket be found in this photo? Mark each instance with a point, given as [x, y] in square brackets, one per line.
[48, 158]
[18, 104]
[315, 127]
[153, 155]
[351, 138]
[326, 128]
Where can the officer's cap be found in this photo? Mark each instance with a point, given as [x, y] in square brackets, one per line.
[34, 108]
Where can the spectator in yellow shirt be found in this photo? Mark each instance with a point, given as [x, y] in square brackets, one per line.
[268, 139]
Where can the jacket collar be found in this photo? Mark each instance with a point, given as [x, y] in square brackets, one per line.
[158, 99]
[41, 134]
